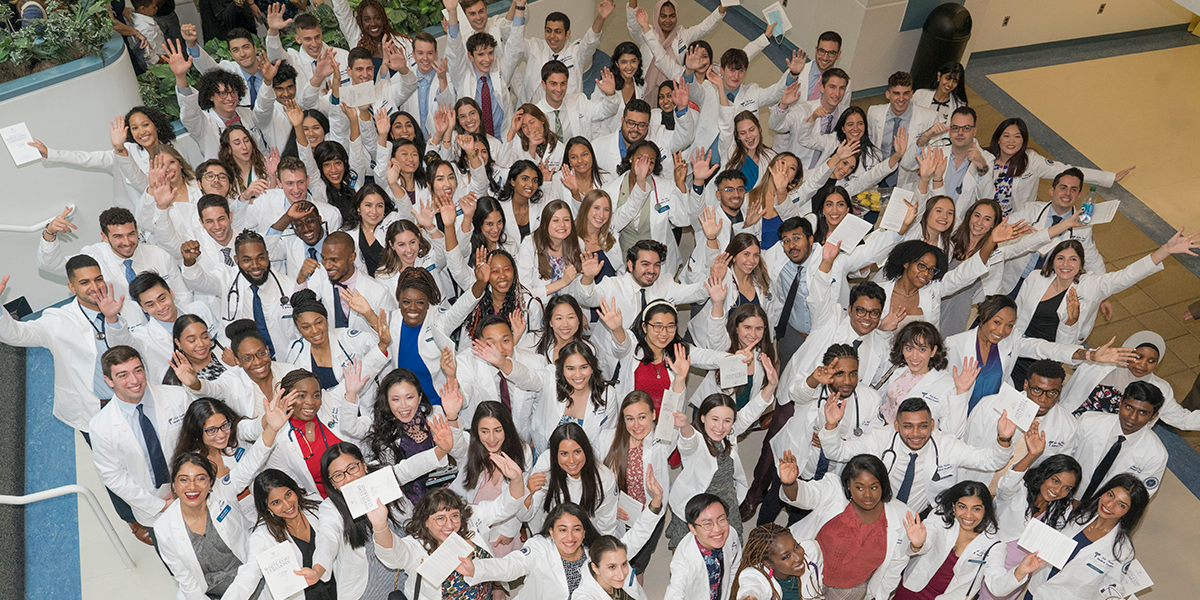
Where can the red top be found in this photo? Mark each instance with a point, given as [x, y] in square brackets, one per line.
[654, 380]
[852, 549]
[312, 451]
[937, 584]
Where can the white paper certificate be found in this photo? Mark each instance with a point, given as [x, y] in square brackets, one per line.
[1103, 212]
[1136, 578]
[733, 371]
[1051, 546]
[17, 138]
[893, 216]
[359, 95]
[1021, 410]
[435, 569]
[279, 566]
[361, 494]
[671, 402]
[849, 232]
[632, 507]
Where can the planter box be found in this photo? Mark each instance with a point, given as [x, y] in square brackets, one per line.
[110, 53]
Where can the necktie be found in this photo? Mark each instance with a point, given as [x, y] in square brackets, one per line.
[643, 291]
[234, 120]
[312, 253]
[505, 397]
[129, 274]
[784, 316]
[910, 473]
[158, 462]
[228, 259]
[557, 125]
[890, 146]
[1102, 469]
[1054, 220]
[485, 102]
[260, 320]
[814, 91]
[339, 314]
[822, 466]
[856, 344]
[252, 81]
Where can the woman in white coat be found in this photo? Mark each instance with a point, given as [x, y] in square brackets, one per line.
[1065, 295]
[571, 471]
[368, 220]
[638, 181]
[285, 515]
[995, 349]
[247, 387]
[948, 93]
[709, 451]
[773, 558]
[961, 550]
[549, 259]
[580, 177]
[440, 514]
[919, 369]
[1018, 170]
[566, 322]
[479, 479]
[1100, 530]
[575, 391]
[870, 565]
[202, 536]
[744, 330]
[1026, 492]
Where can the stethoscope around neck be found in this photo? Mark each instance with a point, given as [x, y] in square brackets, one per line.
[937, 460]
[233, 298]
[858, 430]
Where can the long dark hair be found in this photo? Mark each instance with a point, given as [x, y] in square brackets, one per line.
[479, 462]
[946, 500]
[291, 148]
[365, 42]
[489, 166]
[264, 483]
[621, 50]
[191, 432]
[541, 240]
[418, 134]
[724, 447]
[517, 298]
[865, 146]
[382, 440]
[225, 155]
[419, 175]
[960, 242]
[818, 204]
[546, 337]
[570, 508]
[582, 141]
[353, 218]
[556, 485]
[618, 453]
[434, 501]
[518, 167]
[182, 323]
[484, 208]
[956, 70]
[356, 532]
[341, 195]
[736, 317]
[1056, 511]
[1138, 499]
[1019, 161]
[639, 335]
[596, 381]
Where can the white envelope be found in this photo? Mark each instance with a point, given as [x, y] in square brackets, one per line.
[733, 371]
[671, 402]
[849, 232]
[631, 506]
[435, 569]
[17, 138]
[359, 95]
[1051, 546]
[1103, 212]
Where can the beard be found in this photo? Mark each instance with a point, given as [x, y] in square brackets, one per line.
[257, 282]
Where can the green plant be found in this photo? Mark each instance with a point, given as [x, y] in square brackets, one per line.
[68, 32]
[411, 16]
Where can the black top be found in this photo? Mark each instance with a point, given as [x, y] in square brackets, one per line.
[371, 253]
[1044, 324]
[321, 590]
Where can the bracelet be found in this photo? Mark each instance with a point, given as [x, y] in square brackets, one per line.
[1090, 355]
[938, 180]
[791, 484]
[1003, 440]
[380, 529]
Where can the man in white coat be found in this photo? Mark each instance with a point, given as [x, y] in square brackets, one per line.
[120, 256]
[498, 371]
[636, 126]
[1122, 443]
[423, 89]
[154, 339]
[134, 437]
[337, 275]
[818, 115]
[884, 121]
[923, 461]
[968, 175]
[1044, 386]
[573, 114]
[312, 45]
[477, 72]
[576, 56]
[703, 564]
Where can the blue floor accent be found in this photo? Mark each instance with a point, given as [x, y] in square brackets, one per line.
[52, 570]
[1073, 51]
[1182, 458]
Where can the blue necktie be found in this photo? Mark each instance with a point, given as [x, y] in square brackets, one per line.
[260, 320]
[252, 83]
[129, 274]
[910, 473]
[312, 253]
[889, 147]
[822, 467]
[158, 462]
[339, 314]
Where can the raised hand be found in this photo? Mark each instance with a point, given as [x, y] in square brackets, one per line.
[358, 303]
[508, 467]
[720, 266]
[1005, 231]
[1032, 562]
[483, 269]
[643, 19]
[118, 132]
[716, 289]
[591, 265]
[656, 490]
[891, 320]
[190, 251]
[1005, 428]
[789, 470]
[278, 410]
[536, 482]
[452, 399]
[275, 20]
[702, 165]
[607, 84]
[641, 169]
[835, 409]
[179, 60]
[183, 369]
[1035, 440]
[797, 61]
[964, 380]
[1108, 354]
[680, 95]
[847, 149]
[915, 529]
[681, 363]
[353, 380]
[443, 438]
[1072, 306]
[711, 223]
[610, 314]
[487, 352]
[516, 321]
[188, 32]
[1121, 174]
[109, 304]
[823, 374]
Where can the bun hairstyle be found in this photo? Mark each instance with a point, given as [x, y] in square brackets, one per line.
[305, 301]
[240, 331]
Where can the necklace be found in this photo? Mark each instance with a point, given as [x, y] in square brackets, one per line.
[896, 289]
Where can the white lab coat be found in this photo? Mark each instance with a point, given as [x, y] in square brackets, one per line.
[863, 404]
[1142, 455]
[235, 388]
[509, 527]
[1099, 566]
[937, 389]
[669, 208]
[445, 319]
[463, 78]
[966, 344]
[261, 541]
[981, 561]
[376, 294]
[1036, 214]
[1038, 167]
[1089, 375]
[689, 575]
[929, 297]
[118, 454]
[235, 300]
[608, 148]
[175, 543]
[153, 339]
[548, 411]
[655, 453]
[702, 358]
[920, 120]
[125, 194]
[604, 518]
[575, 55]
[826, 499]
[479, 381]
[1059, 427]
[924, 99]
[754, 584]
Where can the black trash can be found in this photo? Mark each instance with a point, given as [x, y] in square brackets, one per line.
[943, 39]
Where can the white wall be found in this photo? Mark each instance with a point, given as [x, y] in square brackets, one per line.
[71, 115]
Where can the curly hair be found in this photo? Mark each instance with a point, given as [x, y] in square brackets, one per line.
[907, 253]
[158, 118]
[211, 81]
[923, 333]
[756, 553]
[626, 165]
[435, 501]
[517, 298]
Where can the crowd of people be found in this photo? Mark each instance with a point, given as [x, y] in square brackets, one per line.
[483, 281]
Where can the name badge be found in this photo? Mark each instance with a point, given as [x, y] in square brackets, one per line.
[237, 455]
[662, 208]
[224, 513]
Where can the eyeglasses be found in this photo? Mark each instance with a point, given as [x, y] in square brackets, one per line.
[862, 312]
[729, 190]
[212, 431]
[261, 354]
[824, 52]
[225, 93]
[453, 519]
[357, 468]
[962, 128]
[215, 177]
[635, 125]
[201, 480]
[661, 327]
[1037, 392]
[924, 268]
[708, 526]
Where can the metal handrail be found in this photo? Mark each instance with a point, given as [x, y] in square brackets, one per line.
[31, 228]
[91, 498]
